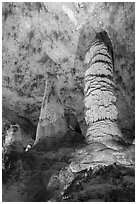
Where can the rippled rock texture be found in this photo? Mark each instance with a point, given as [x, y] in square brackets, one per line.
[108, 184]
[38, 35]
[64, 52]
[101, 111]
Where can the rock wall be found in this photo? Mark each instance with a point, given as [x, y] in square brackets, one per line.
[35, 32]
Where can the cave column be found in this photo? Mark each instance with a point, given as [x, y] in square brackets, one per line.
[101, 112]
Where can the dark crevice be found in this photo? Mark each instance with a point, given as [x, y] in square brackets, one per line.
[99, 88]
[102, 61]
[101, 76]
[95, 43]
[98, 83]
[94, 84]
[99, 53]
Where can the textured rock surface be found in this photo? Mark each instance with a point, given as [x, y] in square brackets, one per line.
[96, 155]
[101, 112]
[44, 174]
[14, 138]
[108, 184]
[35, 36]
[52, 121]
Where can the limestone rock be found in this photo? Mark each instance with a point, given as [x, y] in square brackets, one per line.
[96, 155]
[101, 112]
[28, 43]
[64, 32]
[51, 121]
[14, 138]
[72, 121]
[106, 184]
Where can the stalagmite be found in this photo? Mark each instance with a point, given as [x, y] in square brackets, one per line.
[52, 124]
[101, 112]
[105, 145]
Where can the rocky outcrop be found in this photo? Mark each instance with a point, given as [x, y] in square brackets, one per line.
[52, 123]
[14, 138]
[101, 112]
[107, 184]
[12, 150]
[97, 155]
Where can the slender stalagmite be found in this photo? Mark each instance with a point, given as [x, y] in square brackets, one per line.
[101, 112]
[52, 124]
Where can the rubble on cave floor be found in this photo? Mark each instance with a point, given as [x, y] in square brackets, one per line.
[38, 176]
[29, 178]
[108, 184]
[46, 172]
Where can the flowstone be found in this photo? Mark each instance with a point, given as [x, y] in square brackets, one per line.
[52, 124]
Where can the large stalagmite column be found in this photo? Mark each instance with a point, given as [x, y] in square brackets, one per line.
[101, 112]
[52, 124]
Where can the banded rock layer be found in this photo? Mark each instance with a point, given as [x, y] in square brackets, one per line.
[101, 111]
